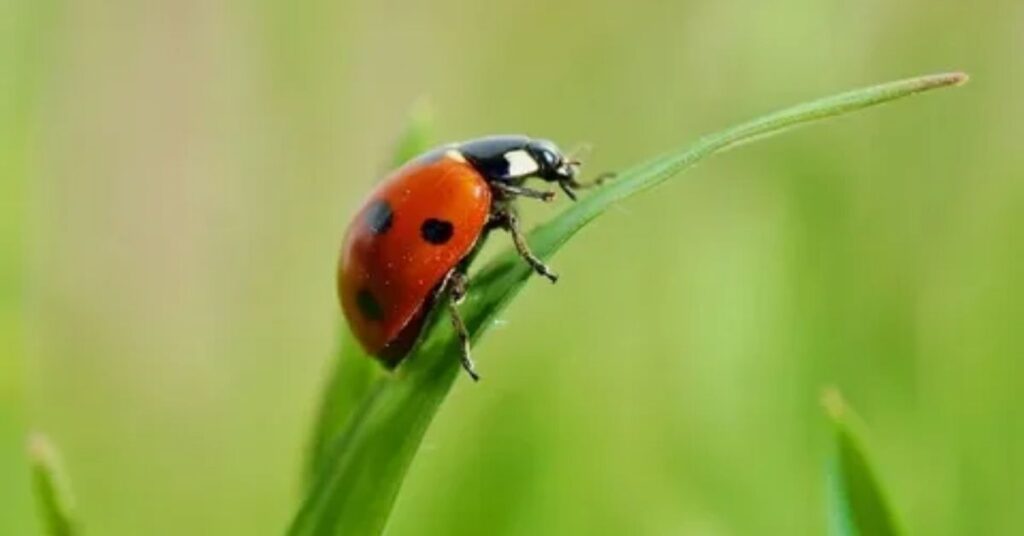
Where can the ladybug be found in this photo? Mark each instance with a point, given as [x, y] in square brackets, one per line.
[409, 246]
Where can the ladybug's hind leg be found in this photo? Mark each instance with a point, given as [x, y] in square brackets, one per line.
[506, 219]
[457, 291]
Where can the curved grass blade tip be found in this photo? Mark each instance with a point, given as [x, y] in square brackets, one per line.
[359, 473]
[51, 486]
[856, 502]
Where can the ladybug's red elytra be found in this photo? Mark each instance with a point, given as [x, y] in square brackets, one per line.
[409, 245]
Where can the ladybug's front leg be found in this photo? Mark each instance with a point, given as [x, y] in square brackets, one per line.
[599, 180]
[571, 186]
[506, 219]
[457, 291]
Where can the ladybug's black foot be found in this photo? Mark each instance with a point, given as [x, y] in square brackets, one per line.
[467, 365]
[543, 270]
[510, 222]
[463, 333]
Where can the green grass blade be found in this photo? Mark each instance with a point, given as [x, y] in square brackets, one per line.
[51, 488]
[856, 504]
[417, 136]
[352, 378]
[354, 372]
[356, 485]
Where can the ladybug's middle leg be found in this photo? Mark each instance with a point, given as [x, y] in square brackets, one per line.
[457, 291]
[571, 186]
[506, 219]
[515, 190]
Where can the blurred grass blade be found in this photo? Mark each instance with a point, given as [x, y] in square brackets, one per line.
[51, 487]
[417, 136]
[353, 375]
[354, 372]
[856, 504]
[360, 476]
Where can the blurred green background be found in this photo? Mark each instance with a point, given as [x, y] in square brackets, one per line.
[177, 175]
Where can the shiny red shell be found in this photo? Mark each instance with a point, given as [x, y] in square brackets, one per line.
[412, 231]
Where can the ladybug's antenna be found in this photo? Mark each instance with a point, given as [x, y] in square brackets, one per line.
[579, 152]
[573, 159]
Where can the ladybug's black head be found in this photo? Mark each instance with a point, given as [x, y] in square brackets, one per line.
[553, 165]
[515, 158]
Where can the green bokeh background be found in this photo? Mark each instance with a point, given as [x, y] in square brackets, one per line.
[176, 177]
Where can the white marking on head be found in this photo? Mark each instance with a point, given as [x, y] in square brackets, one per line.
[520, 163]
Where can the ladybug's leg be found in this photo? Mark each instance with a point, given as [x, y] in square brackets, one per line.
[572, 185]
[506, 219]
[596, 181]
[457, 285]
[457, 291]
[592, 183]
[515, 190]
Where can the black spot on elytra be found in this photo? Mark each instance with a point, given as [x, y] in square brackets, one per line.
[368, 305]
[379, 216]
[436, 231]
